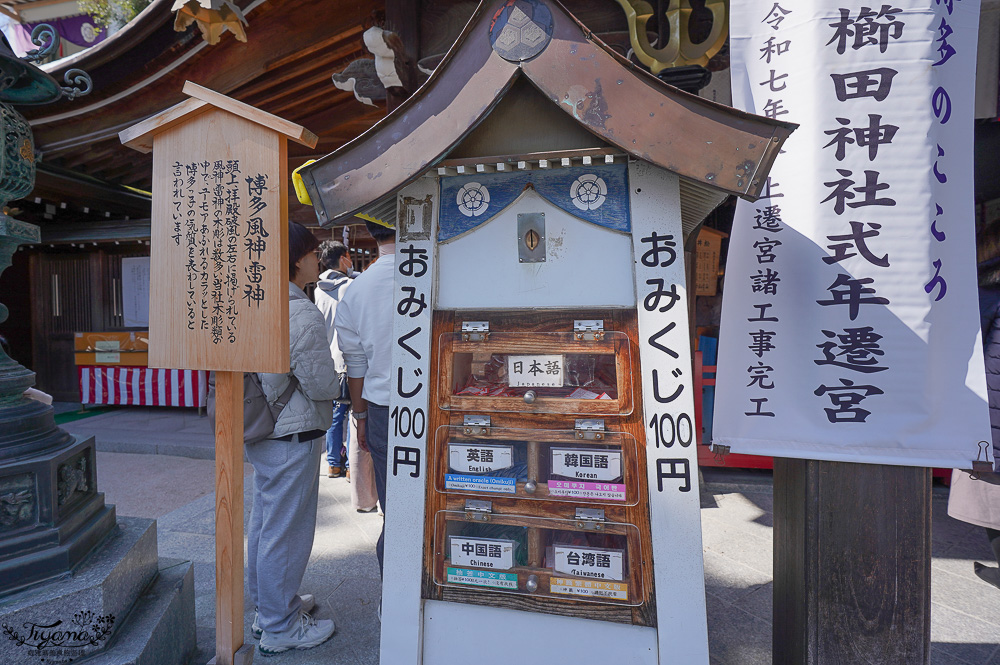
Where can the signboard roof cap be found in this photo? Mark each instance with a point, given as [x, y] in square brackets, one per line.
[201, 99]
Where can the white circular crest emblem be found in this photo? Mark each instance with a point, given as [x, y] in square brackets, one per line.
[588, 192]
[473, 199]
[88, 32]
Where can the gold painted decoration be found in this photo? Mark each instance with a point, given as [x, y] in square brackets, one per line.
[679, 50]
[212, 16]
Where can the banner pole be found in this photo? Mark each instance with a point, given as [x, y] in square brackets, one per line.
[852, 563]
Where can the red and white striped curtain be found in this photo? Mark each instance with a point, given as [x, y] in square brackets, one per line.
[143, 386]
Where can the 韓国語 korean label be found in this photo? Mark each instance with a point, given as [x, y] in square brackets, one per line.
[583, 490]
[587, 464]
[535, 371]
[467, 458]
[492, 553]
[592, 588]
[482, 578]
[589, 562]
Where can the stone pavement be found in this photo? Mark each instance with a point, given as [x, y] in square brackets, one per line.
[343, 573]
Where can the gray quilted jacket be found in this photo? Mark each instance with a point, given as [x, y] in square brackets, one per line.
[310, 407]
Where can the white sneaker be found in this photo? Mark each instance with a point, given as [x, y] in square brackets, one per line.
[308, 603]
[305, 634]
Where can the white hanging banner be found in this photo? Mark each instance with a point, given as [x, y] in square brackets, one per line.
[850, 327]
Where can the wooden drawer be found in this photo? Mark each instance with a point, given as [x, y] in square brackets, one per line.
[564, 558]
[535, 469]
[536, 464]
[535, 372]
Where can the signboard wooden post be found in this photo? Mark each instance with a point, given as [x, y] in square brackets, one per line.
[218, 287]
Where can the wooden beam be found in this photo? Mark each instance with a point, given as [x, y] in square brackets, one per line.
[10, 13]
[249, 93]
[293, 91]
[352, 32]
[35, 4]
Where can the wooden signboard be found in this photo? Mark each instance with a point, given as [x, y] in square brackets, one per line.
[219, 284]
[707, 263]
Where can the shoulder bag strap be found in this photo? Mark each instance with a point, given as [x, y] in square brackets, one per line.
[283, 398]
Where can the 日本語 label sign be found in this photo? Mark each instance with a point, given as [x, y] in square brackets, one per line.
[587, 464]
[590, 588]
[486, 578]
[467, 458]
[589, 562]
[850, 328]
[493, 553]
[535, 371]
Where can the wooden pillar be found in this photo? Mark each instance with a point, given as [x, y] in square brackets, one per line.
[852, 563]
[228, 515]
[403, 18]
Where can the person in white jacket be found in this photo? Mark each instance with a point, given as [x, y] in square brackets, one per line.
[285, 479]
[335, 262]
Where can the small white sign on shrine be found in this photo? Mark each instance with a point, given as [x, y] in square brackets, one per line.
[535, 371]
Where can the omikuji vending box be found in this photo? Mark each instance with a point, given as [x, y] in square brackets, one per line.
[542, 474]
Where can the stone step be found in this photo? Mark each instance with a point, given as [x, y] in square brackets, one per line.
[103, 588]
[160, 630]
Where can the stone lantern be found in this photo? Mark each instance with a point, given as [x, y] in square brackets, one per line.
[51, 514]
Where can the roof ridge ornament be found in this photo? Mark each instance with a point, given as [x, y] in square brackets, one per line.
[521, 29]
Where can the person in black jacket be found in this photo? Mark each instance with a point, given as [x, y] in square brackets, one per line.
[977, 501]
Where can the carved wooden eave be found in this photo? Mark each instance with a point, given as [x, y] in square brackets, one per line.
[283, 69]
[715, 149]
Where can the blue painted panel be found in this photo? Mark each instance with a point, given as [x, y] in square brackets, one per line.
[597, 194]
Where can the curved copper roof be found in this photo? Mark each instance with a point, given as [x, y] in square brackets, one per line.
[706, 143]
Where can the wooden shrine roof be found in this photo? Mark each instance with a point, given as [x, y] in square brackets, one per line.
[284, 68]
[715, 149]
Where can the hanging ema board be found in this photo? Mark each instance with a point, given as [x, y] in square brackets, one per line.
[219, 249]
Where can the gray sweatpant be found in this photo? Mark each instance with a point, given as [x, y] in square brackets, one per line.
[282, 526]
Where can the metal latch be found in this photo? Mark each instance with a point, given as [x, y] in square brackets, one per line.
[589, 429]
[475, 331]
[478, 511]
[590, 330]
[982, 464]
[590, 518]
[476, 425]
[720, 452]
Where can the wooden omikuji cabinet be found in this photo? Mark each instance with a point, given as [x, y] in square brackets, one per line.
[542, 481]
[546, 478]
